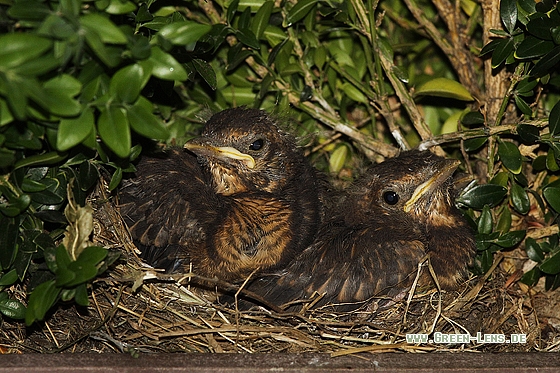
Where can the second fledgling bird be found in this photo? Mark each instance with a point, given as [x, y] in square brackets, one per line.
[383, 227]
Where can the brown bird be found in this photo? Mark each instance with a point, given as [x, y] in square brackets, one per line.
[242, 198]
[383, 227]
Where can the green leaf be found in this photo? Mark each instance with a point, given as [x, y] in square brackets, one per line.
[300, 10]
[528, 133]
[81, 295]
[485, 222]
[508, 13]
[104, 27]
[480, 195]
[42, 298]
[113, 128]
[127, 83]
[533, 250]
[510, 239]
[523, 106]
[261, 19]
[532, 47]
[554, 120]
[184, 33]
[116, 179]
[165, 66]
[540, 26]
[338, 158]
[247, 37]
[504, 221]
[92, 255]
[120, 7]
[552, 196]
[520, 199]
[142, 120]
[503, 50]
[531, 277]
[546, 63]
[206, 71]
[510, 156]
[12, 308]
[551, 265]
[72, 132]
[443, 87]
[9, 278]
[17, 48]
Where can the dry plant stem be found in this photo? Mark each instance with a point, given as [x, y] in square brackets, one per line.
[385, 58]
[468, 134]
[496, 82]
[459, 56]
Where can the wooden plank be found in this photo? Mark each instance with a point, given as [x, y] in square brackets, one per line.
[313, 363]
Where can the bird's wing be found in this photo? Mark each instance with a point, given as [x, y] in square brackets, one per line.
[168, 207]
[347, 266]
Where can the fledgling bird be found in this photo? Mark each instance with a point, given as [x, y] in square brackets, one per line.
[240, 198]
[384, 226]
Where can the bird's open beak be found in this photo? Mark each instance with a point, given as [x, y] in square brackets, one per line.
[447, 168]
[223, 152]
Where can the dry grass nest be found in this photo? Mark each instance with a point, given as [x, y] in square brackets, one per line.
[134, 309]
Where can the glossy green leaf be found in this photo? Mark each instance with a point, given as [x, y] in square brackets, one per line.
[184, 33]
[116, 179]
[490, 47]
[533, 250]
[206, 71]
[338, 158]
[100, 49]
[480, 195]
[46, 197]
[92, 255]
[540, 26]
[443, 87]
[41, 299]
[532, 47]
[554, 119]
[552, 196]
[523, 106]
[551, 265]
[503, 50]
[510, 156]
[104, 27]
[531, 277]
[485, 222]
[510, 239]
[12, 308]
[81, 295]
[9, 278]
[520, 199]
[261, 19]
[120, 7]
[528, 133]
[127, 83]
[164, 66]
[30, 186]
[508, 13]
[29, 10]
[72, 132]
[114, 130]
[504, 221]
[17, 48]
[247, 37]
[142, 120]
[300, 10]
[546, 63]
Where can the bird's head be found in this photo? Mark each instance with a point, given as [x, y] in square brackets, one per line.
[245, 150]
[416, 185]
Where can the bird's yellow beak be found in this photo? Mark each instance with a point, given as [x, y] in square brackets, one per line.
[222, 152]
[448, 167]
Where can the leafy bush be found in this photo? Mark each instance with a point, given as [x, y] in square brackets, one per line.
[83, 82]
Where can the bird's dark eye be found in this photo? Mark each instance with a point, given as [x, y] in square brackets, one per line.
[257, 144]
[391, 197]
